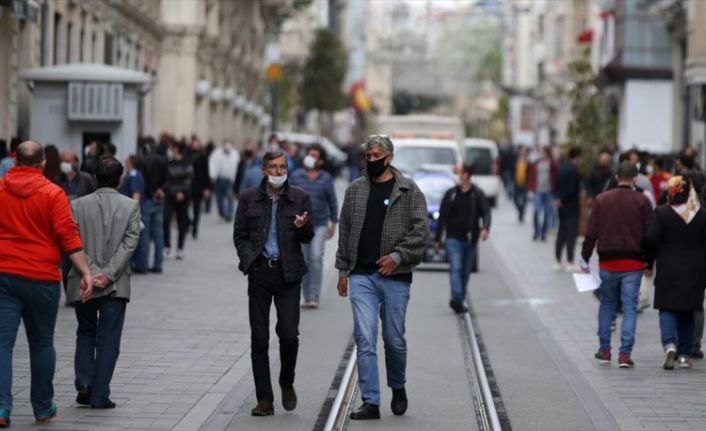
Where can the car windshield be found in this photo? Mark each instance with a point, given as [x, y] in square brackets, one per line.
[480, 159]
[434, 187]
[411, 159]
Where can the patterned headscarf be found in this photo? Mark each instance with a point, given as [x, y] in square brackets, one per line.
[682, 198]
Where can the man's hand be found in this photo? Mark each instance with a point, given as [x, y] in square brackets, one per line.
[331, 230]
[85, 287]
[342, 286]
[437, 246]
[584, 267]
[101, 281]
[484, 234]
[648, 273]
[180, 196]
[557, 203]
[206, 193]
[158, 195]
[386, 265]
[301, 220]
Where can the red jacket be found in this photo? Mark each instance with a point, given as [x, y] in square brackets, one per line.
[35, 225]
[618, 221]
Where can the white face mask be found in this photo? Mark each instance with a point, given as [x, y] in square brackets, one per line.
[309, 162]
[276, 181]
[66, 168]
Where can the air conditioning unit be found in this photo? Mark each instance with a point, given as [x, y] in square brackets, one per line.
[95, 102]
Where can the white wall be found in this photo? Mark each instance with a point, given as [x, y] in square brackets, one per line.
[646, 116]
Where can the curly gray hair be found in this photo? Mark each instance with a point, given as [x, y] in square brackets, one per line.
[382, 141]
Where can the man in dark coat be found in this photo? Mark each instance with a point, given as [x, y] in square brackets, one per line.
[567, 193]
[271, 224]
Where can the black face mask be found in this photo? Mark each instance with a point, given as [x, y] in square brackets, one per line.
[376, 168]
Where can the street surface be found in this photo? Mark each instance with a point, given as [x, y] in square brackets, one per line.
[185, 361]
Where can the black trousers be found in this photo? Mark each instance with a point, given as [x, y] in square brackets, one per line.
[196, 200]
[568, 232]
[264, 285]
[181, 209]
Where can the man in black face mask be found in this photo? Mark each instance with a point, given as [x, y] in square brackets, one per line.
[382, 236]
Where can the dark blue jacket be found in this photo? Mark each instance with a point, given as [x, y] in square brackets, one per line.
[568, 190]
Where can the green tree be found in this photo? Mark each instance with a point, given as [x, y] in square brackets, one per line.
[323, 74]
[591, 125]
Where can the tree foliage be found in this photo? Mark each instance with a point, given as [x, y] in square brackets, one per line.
[591, 125]
[323, 74]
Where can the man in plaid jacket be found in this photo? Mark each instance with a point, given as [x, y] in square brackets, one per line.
[383, 233]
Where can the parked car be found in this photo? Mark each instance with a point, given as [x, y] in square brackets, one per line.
[423, 154]
[335, 157]
[433, 184]
[484, 156]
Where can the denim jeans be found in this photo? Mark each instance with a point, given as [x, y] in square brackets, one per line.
[677, 327]
[37, 304]
[543, 205]
[626, 287]
[153, 219]
[224, 197]
[100, 327]
[314, 255]
[371, 295]
[460, 255]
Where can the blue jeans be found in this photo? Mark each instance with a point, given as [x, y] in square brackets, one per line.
[100, 327]
[153, 219]
[314, 255]
[224, 197]
[520, 199]
[370, 295]
[626, 286]
[460, 255]
[677, 327]
[37, 304]
[543, 204]
[140, 259]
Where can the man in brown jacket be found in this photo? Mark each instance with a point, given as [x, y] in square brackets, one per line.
[619, 219]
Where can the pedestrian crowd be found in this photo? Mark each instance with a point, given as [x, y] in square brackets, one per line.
[647, 224]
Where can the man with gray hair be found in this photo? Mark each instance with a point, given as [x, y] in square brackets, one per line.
[382, 237]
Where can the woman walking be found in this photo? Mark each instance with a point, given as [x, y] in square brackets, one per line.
[676, 239]
[179, 176]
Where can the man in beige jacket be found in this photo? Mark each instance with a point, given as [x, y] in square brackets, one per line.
[109, 225]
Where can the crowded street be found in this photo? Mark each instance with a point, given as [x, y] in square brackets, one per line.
[185, 361]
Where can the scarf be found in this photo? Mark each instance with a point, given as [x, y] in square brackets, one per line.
[675, 189]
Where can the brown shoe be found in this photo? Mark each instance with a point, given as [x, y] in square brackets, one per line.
[263, 408]
[289, 398]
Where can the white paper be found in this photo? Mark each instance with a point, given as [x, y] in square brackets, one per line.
[586, 282]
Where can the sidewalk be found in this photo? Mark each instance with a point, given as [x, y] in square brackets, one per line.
[645, 397]
[185, 345]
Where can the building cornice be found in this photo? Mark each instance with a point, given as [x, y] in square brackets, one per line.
[143, 20]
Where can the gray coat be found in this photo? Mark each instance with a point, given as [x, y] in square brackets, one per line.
[405, 230]
[109, 225]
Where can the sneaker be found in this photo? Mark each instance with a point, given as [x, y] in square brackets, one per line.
[180, 254]
[670, 354]
[4, 418]
[167, 253]
[603, 356]
[558, 267]
[624, 361]
[684, 361]
[572, 268]
[46, 418]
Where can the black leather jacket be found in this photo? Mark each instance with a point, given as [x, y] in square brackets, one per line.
[252, 222]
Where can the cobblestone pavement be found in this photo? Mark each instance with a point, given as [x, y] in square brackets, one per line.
[185, 345]
[645, 397]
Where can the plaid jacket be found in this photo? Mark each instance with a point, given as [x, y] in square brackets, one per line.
[405, 229]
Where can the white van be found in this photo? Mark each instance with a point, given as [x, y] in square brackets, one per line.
[483, 156]
[422, 154]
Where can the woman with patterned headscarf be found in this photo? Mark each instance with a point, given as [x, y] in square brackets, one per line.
[676, 239]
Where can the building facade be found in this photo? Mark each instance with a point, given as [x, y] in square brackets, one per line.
[207, 57]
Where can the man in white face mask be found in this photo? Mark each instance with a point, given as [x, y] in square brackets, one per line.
[75, 183]
[319, 185]
[271, 224]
